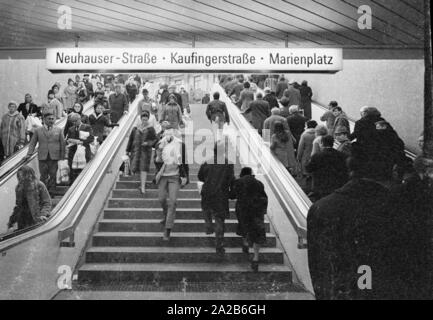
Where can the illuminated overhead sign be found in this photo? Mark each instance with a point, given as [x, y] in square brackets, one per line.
[195, 59]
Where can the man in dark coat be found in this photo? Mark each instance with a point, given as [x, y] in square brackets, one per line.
[259, 111]
[328, 168]
[365, 129]
[271, 99]
[306, 95]
[217, 176]
[350, 236]
[293, 94]
[411, 206]
[296, 123]
[118, 104]
[217, 113]
[89, 86]
[28, 107]
[281, 87]
[237, 89]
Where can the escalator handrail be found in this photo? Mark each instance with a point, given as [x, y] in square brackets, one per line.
[285, 188]
[71, 203]
[16, 161]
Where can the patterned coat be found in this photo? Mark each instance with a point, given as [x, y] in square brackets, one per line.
[12, 132]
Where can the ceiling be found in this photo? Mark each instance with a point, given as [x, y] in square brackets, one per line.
[211, 23]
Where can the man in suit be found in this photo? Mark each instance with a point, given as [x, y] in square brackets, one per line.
[296, 123]
[293, 94]
[51, 149]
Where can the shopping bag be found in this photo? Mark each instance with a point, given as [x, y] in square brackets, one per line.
[62, 172]
[126, 166]
[84, 135]
[79, 160]
[32, 123]
[199, 186]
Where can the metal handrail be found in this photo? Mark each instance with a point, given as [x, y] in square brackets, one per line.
[79, 194]
[289, 194]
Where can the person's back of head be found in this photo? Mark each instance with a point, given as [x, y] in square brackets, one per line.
[285, 102]
[294, 109]
[246, 171]
[372, 112]
[275, 111]
[327, 142]
[333, 104]
[305, 83]
[259, 96]
[247, 85]
[321, 130]
[311, 124]
[216, 95]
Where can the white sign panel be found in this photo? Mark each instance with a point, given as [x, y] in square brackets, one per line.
[195, 59]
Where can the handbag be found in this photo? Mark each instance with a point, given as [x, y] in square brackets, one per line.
[79, 161]
[159, 174]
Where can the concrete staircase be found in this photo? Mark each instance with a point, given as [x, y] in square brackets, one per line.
[127, 249]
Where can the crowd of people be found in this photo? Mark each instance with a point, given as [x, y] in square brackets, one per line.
[372, 205]
[62, 152]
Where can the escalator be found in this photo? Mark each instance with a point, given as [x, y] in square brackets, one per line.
[8, 180]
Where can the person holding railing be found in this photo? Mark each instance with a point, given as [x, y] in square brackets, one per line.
[55, 106]
[100, 122]
[12, 130]
[329, 117]
[70, 96]
[32, 200]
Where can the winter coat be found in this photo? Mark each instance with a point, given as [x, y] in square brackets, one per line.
[342, 121]
[365, 131]
[118, 105]
[259, 111]
[411, 210]
[215, 192]
[141, 155]
[12, 132]
[329, 171]
[74, 133]
[70, 97]
[217, 108]
[329, 118]
[173, 114]
[284, 151]
[306, 95]
[272, 100]
[30, 206]
[33, 108]
[251, 207]
[305, 148]
[269, 126]
[294, 96]
[296, 123]
[347, 230]
[281, 87]
[99, 123]
[246, 97]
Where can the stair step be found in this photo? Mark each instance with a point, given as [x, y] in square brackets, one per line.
[154, 203]
[155, 213]
[151, 193]
[152, 225]
[176, 255]
[186, 272]
[177, 239]
[136, 184]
